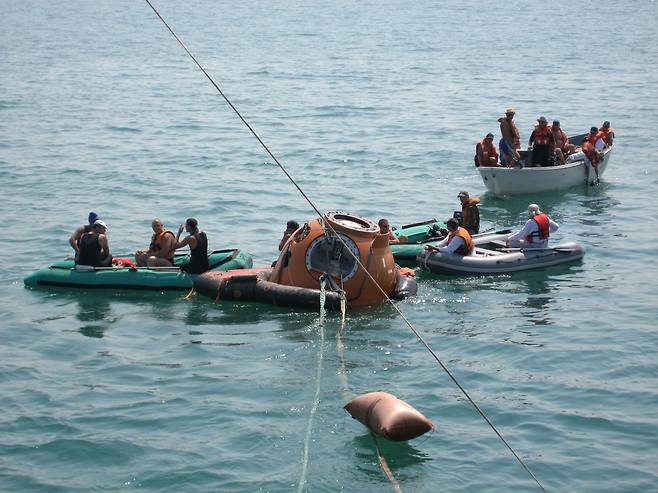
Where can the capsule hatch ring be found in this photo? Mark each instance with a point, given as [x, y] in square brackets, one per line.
[329, 256]
[352, 222]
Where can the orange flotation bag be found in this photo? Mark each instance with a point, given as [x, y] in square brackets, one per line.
[388, 416]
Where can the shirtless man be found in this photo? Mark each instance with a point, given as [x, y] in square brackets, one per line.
[510, 144]
[385, 229]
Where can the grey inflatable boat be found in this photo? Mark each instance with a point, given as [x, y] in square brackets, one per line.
[495, 258]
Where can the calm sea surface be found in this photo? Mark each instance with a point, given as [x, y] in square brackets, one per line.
[374, 108]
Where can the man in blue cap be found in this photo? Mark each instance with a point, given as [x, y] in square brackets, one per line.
[77, 234]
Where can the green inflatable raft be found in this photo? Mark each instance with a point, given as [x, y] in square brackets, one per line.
[417, 237]
[66, 273]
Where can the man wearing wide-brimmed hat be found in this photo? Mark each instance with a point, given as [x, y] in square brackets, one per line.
[510, 144]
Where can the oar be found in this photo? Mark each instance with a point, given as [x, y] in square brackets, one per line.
[491, 231]
[555, 249]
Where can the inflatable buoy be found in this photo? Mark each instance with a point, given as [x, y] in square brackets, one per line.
[388, 416]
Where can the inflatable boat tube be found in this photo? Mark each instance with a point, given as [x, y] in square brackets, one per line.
[255, 285]
[388, 416]
[67, 274]
[500, 260]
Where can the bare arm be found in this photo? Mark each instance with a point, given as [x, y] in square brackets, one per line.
[73, 240]
[105, 246]
[480, 154]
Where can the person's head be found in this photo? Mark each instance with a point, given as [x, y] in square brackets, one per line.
[542, 121]
[157, 226]
[509, 113]
[533, 210]
[463, 196]
[100, 226]
[93, 217]
[593, 130]
[452, 224]
[292, 226]
[489, 137]
[556, 123]
[191, 225]
[606, 124]
[384, 225]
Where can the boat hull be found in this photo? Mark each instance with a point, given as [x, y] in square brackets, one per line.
[528, 180]
[499, 262]
[64, 274]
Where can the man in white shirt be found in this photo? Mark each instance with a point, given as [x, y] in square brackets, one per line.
[536, 231]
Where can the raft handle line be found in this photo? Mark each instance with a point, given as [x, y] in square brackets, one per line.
[310, 202]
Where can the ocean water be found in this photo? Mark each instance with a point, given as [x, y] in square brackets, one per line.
[374, 108]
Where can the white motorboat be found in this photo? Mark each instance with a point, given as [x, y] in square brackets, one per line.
[526, 180]
[495, 258]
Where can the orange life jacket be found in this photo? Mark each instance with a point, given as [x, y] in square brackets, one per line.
[544, 228]
[560, 138]
[542, 135]
[591, 139]
[605, 134]
[468, 246]
[156, 241]
[488, 151]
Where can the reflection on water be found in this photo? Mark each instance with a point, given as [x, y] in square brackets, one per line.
[398, 455]
[97, 312]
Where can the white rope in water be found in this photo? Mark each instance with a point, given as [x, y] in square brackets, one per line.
[316, 397]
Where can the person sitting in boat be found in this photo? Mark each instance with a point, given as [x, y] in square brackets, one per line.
[93, 247]
[198, 243]
[291, 227]
[161, 250]
[561, 139]
[542, 143]
[80, 230]
[535, 232]
[458, 241]
[485, 152]
[469, 218]
[510, 143]
[606, 133]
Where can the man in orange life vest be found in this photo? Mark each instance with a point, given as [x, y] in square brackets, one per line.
[536, 230]
[485, 152]
[469, 217]
[561, 139]
[606, 133]
[542, 143]
[161, 250]
[458, 241]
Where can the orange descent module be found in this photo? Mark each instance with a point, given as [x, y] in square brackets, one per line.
[313, 253]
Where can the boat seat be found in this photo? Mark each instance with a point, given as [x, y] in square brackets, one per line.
[499, 243]
[487, 253]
